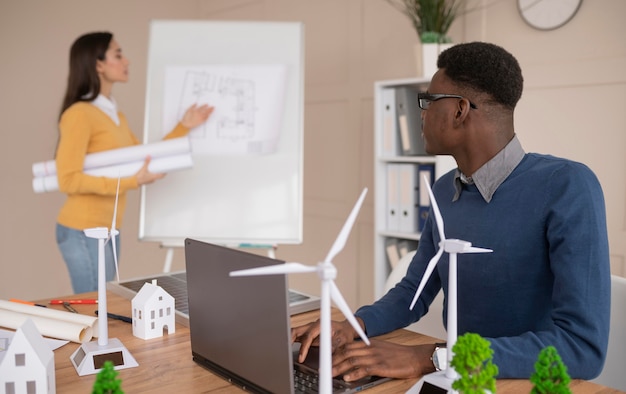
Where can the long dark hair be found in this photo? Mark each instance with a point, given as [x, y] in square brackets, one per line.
[83, 83]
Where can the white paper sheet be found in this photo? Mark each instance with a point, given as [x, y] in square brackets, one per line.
[248, 100]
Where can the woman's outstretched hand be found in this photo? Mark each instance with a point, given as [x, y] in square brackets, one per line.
[196, 115]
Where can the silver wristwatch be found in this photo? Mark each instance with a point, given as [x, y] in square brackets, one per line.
[440, 357]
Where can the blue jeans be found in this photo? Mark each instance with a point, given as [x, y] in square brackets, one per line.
[81, 257]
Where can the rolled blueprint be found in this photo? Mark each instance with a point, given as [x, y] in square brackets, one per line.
[157, 165]
[48, 327]
[174, 146]
[49, 322]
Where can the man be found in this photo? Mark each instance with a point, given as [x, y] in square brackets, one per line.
[547, 281]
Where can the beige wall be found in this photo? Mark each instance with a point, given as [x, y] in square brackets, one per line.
[572, 106]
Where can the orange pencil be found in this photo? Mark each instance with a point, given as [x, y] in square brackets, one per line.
[25, 302]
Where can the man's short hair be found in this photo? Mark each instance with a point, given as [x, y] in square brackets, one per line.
[486, 68]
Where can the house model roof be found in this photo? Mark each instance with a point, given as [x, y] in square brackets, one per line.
[147, 291]
[28, 335]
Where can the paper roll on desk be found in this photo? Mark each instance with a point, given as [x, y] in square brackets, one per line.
[52, 323]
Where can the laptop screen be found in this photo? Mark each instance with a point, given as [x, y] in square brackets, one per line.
[239, 326]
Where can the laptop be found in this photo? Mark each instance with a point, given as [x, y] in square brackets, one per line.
[240, 326]
[175, 283]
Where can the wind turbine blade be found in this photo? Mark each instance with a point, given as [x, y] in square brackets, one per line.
[117, 271]
[287, 268]
[340, 242]
[429, 270]
[438, 217]
[335, 294]
[474, 249]
[117, 194]
[113, 230]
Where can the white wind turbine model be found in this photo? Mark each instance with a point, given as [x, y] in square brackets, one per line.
[443, 379]
[90, 356]
[327, 273]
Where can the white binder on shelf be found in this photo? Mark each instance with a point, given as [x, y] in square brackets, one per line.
[409, 121]
[390, 144]
[393, 198]
[408, 193]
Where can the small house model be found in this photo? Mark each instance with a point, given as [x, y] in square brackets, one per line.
[27, 364]
[153, 312]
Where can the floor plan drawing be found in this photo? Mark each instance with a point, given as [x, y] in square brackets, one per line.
[248, 103]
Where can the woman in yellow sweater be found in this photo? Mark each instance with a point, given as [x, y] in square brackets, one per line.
[90, 122]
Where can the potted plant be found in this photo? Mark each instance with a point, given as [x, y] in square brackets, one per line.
[431, 20]
[550, 375]
[472, 361]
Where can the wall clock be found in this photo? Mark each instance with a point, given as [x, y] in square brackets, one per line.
[548, 14]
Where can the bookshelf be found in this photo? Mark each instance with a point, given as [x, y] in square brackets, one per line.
[391, 139]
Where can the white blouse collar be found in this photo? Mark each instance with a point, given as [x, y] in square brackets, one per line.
[108, 106]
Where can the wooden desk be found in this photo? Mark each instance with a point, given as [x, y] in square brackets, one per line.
[165, 364]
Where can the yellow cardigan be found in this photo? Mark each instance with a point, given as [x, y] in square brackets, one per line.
[90, 202]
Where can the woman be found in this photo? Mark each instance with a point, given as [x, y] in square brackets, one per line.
[90, 122]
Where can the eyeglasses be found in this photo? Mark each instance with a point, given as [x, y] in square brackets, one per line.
[424, 99]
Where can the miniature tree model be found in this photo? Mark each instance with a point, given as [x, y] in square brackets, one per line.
[550, 373]
[472, 361]
[106, 382]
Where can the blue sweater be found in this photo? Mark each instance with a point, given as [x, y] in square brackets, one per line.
[547, 281]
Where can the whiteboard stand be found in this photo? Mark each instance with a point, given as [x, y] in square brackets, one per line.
[271, 252]
[169, 257]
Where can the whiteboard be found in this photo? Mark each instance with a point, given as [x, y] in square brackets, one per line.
[239, 190]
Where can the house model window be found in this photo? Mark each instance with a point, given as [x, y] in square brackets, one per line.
[20, 360]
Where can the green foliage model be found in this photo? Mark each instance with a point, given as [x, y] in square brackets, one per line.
[472, 361]
[550, 375]
[106, 382]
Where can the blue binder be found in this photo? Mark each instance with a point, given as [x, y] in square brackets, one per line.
[426, 173]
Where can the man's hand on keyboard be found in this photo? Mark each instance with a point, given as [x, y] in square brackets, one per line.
[356, 360]
[308, 335]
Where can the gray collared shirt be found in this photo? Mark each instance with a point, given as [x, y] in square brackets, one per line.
[491, 175]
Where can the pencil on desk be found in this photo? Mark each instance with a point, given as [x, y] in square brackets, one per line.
[26, 302]
[87, 301]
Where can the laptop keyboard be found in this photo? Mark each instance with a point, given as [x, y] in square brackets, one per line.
[295, 297]
[307, 382]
